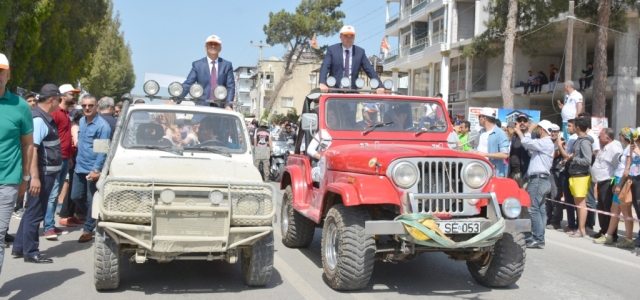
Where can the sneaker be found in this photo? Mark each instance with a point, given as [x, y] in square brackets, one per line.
[604, 240]
[60, 231]
[554, 226]
[75, 220]
[67, 223]
[50, 234]
[18, 214]
[626, 244]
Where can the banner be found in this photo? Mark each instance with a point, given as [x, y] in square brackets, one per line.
[598, 123]
[504, 115]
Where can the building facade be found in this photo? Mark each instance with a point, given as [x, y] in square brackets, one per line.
[244, 84]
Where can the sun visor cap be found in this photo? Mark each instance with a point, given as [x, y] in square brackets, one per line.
[4, 62]
[213, 39]
[488, 111]
[348, 29]
[546, 125]
[65, 88]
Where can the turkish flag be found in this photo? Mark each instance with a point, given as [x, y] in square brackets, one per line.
[314, 43]
[384, 47]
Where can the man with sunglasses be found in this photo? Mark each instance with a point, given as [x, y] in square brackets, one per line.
[88, 163]
[210, 72]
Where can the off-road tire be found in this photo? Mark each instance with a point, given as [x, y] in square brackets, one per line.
[355, 250]
[505, 264]
[106, 266]
[299, 233]
[257, 262]
[277, 177]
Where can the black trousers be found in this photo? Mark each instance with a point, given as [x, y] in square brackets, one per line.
[27, 240]
[605, 200]
[68, 207]
[587, 82]
[555, 209]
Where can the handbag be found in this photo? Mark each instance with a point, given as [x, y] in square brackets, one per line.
[625, 196]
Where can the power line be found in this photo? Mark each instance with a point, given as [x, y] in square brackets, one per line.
[355, 5]
[368, 14]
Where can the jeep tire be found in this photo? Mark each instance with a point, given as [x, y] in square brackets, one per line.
[257, 262]
[297, 230]
[504, 264]
[106, 266]
[347, 252]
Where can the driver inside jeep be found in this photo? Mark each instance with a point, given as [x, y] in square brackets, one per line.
[320, 143]
[214, 131]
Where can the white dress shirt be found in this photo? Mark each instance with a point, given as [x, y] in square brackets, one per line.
[542, 156]
[606, 162]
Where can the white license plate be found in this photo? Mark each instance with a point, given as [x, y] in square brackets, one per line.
[459, 227]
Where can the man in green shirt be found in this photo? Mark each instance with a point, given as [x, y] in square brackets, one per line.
[463, 136]
[16, 146]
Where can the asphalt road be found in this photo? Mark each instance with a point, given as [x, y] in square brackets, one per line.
[568, 268]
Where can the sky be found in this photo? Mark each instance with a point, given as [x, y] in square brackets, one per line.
[166, 36]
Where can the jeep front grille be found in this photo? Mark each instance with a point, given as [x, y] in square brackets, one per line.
[440, 176]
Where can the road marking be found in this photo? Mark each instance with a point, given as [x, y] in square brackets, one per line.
[298, 283]
[595, 254]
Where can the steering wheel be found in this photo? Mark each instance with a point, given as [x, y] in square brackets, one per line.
[213, 143]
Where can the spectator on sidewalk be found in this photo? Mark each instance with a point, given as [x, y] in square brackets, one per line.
[118, 110]
[588, 76]
[463, 136]
[554, 76]
[540, 81]
[31, 99]
[106, 109]
[602, 171]
[554, 208]
[16, 146]
[632, 171]
[572, 106]
[580, 172]
[566, 151]
[45, 167]
[531, 81]
[492, 141]
[538, 174]
[88, 164]
[519, 156]
[591, 197]
[67, 212]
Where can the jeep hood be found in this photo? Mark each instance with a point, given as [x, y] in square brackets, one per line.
[362, 159]
[184, 168]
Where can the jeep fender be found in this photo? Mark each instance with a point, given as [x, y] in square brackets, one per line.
[292, 175]
[95, 205]
[505, 188]
[364, 189]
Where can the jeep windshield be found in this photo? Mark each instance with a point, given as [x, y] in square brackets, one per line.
[386, 115]
[179, 130]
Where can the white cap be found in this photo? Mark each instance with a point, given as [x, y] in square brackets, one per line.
[348, 29]
[555, 127]
[213, 38]
[4, 62]
[488, 111]
[546, 125]
[65, 88]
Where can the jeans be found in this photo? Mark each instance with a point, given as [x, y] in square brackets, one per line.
[635, 192]
[50, 216]
[554, 209]
[68, 207]
[568, 198]
[27, 240]
[425, 120]
[565, 133]
[8, 196]
[605, 200]
[552, 86]
[587, 82]
[82, 194]
[591, 203]
[538, 189]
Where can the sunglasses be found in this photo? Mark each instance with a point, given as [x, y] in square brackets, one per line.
[88, 105]
[213, 44]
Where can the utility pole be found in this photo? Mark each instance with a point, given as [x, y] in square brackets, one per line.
[568, 66]
[260, 79]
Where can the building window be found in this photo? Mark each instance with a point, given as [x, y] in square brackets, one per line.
[312, 78]
[286, 102]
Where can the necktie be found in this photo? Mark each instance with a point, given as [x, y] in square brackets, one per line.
[347, 67]
[214, 79]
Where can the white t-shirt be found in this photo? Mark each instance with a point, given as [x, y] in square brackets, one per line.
[570, 108]
[595, 146]
[431, 108]
[622, 163]
[483, 143]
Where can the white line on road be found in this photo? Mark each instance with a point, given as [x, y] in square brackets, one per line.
[620, 261]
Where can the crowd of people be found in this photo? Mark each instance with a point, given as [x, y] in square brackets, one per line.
[565, 168]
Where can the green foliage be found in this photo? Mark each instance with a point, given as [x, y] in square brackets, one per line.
[291, 115]
[588, 10]
[320, 52]
[110, 72]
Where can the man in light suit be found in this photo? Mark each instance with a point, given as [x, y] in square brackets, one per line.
[345, 60]
[201, 73]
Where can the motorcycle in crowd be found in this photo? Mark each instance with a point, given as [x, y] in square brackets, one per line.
[281, 150]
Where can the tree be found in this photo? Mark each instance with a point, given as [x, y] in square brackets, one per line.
[600, 60]
[110, 72]
[507, 69]
[294, 31]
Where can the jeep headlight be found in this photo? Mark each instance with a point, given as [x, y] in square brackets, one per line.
[216, 197]
[475, 175]
[511, 208]
[405, 175]
[167, 196]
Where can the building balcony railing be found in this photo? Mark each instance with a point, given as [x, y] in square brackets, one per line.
[392, 56]
[419, 5]
[269, 86]
[392, 20]
[417, 46]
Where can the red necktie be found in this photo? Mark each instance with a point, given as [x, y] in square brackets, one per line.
[214, 79]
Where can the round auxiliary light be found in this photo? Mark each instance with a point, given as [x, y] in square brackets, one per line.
[511, 208]
[176, 89]
[151, 87]
[216, 197]
[167, 196]
[220, 92]
[345, 82]
[331, 81]
[388, 84]
[359, 83]
[475, 175]
[374, 83]
[196, 91]
[405, 175]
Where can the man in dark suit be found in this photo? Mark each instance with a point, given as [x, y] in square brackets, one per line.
[201, 73]
[345, 60]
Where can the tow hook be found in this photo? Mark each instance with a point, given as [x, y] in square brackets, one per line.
[141, 256]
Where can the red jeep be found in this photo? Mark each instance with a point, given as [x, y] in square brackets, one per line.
[390, 185]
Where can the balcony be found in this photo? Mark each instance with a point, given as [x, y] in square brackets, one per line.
[419, 5]
[416, 50]
[269, 86]
[408, 14]
[392, 56]
[419, 45]
[392, 20]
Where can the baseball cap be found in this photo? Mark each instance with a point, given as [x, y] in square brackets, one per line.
[65, 88]
[487, 111]
[4, 62]
[546, 125]
[348, 29]
[49, 90]
[522, 116]
[555, 127]
[213, 39]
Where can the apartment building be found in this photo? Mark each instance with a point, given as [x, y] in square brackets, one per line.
[244, 84]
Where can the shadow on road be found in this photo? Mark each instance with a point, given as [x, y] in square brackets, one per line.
[35, 284]
[186, 277]
[65, 248]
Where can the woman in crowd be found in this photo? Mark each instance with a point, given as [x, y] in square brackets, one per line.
[631, 171]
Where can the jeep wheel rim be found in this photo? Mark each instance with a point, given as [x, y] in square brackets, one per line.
[285, 217]
[331, 246]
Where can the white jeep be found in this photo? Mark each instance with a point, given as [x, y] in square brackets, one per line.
[179, 184]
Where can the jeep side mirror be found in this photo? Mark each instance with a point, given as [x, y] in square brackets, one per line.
[474, 139]
[309, 121]
[453, 140]
[101, 146]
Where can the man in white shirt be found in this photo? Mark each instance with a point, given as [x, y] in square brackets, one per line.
[572, 106]
[602, 171]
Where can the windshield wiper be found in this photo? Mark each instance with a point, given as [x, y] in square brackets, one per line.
[210, 149]
[169, 149]
[423, 130]
[374, 126]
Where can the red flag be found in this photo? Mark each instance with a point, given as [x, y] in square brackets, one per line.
[384, 47]
[314, 43]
